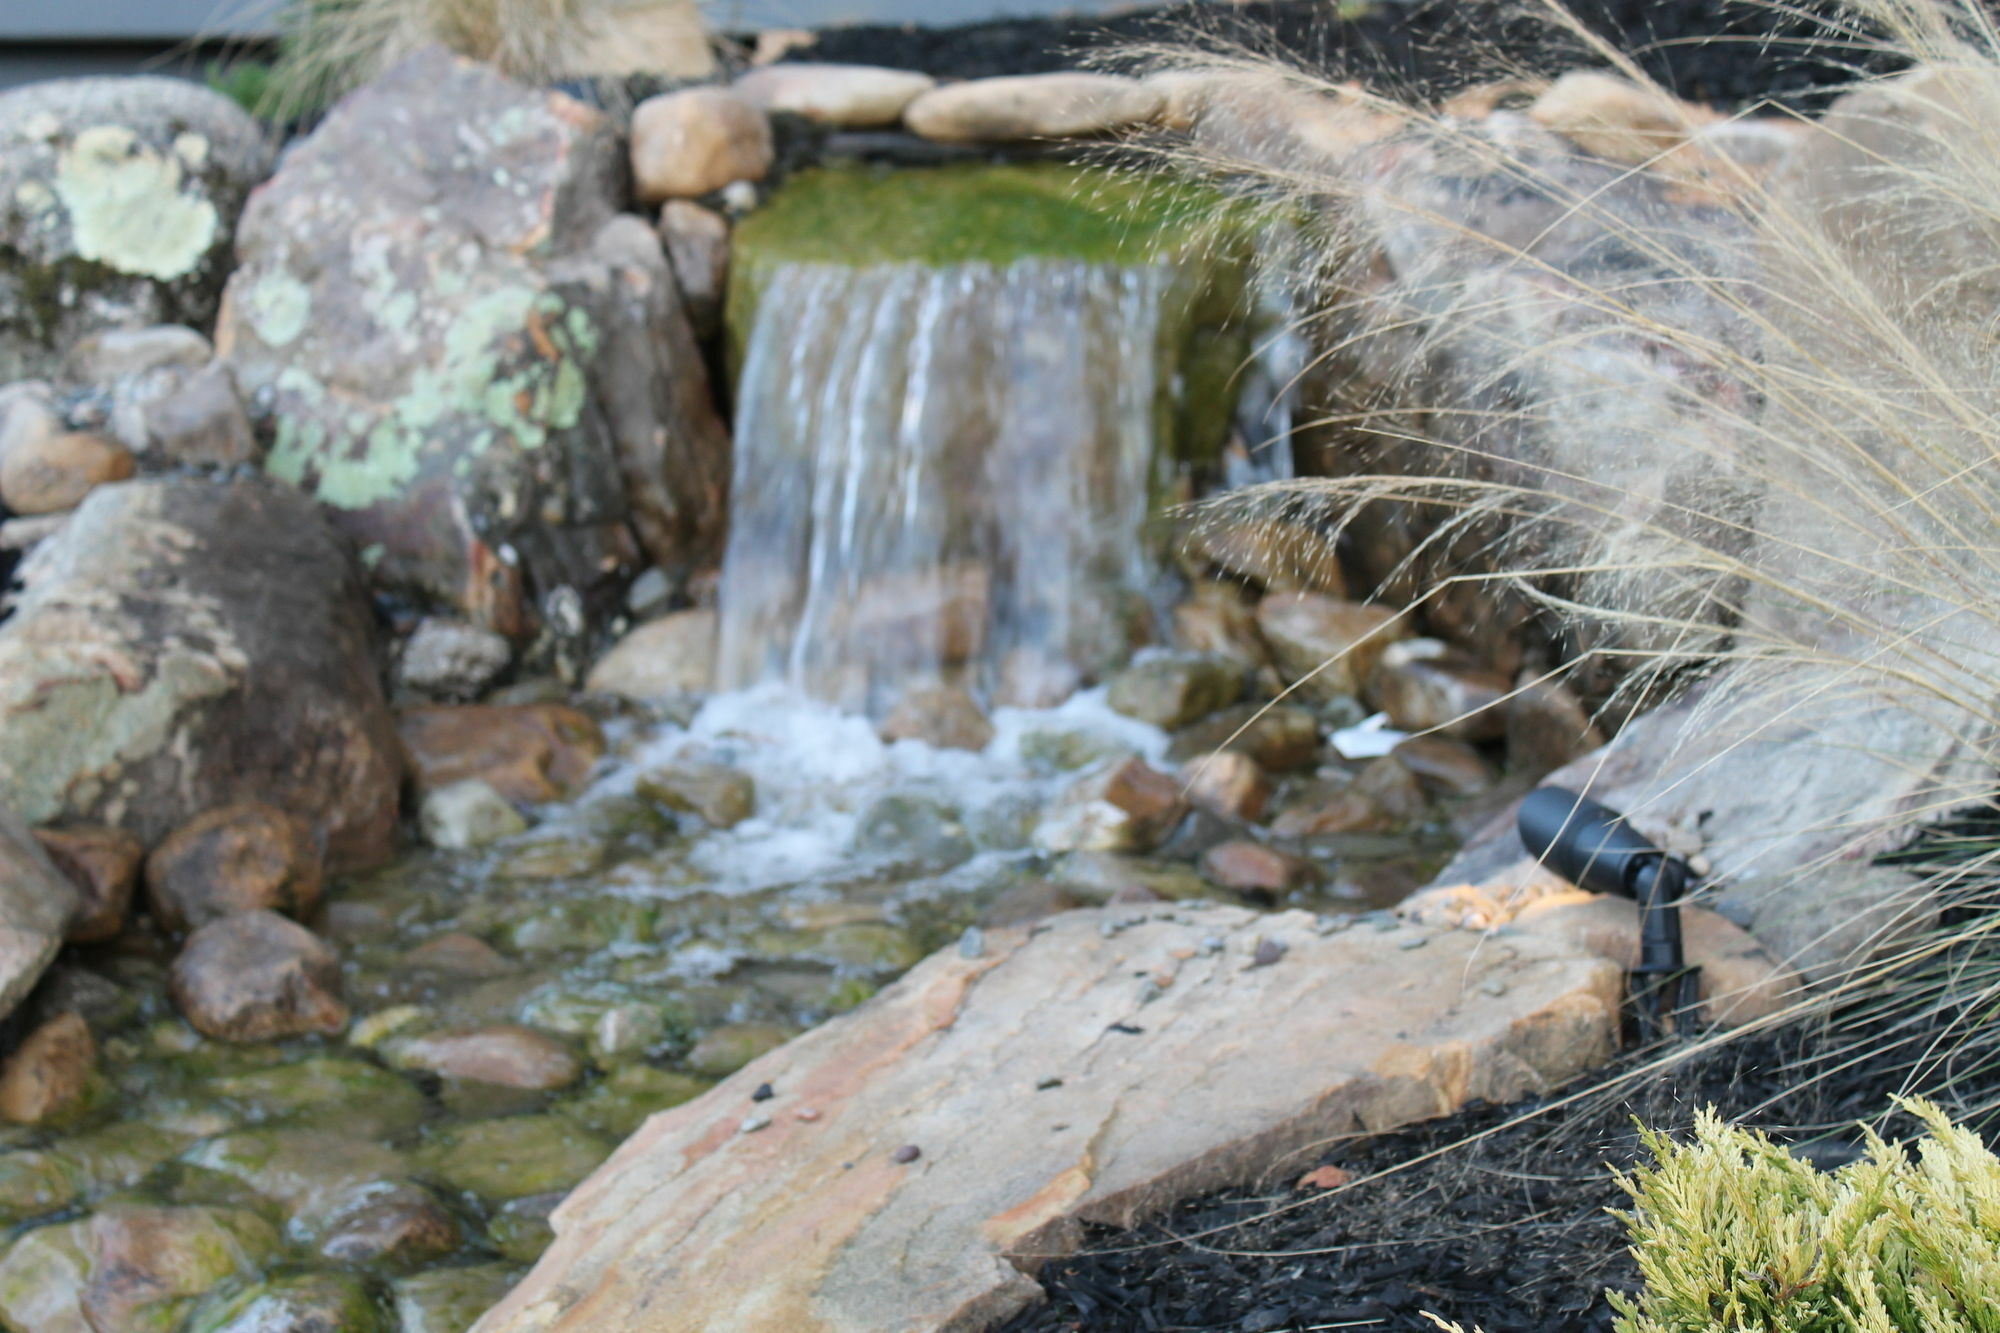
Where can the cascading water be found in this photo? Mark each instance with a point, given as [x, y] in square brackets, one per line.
[943, 469]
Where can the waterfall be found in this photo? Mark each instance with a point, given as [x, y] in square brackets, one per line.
[943, 472]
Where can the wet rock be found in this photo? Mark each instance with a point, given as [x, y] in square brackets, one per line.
[103, 865]
[48, 1077]
[846, 96]
[1105, 877]
[674, 655]
[1614, 119]
[1066, 749]
[319, 1177]
[255, 976]
[37, 905]
[529, 753]
[943, 716]
[1172, 692]
[301, 1303]
[473, 358]
[186, 418]
[128, 1266]
[1444, 766]
[1424, 685]
[184, 644]
[451, 659]
[1547, 727]
[468, 814]
[1024, 904]
[553, 857]
[245, 857]
[514, 1157]
[121, 353]
[455, 954]
[449, 1300]
[1230, 785]
[914, 831]
[354, 1096]
[123, 195]
[1278, 736]
[507, 1056]
[697, 244]
[876, 1245]
[718, 795]
[520, 1229]
[1331, 806]
[696, 141]
[1216, 621]
[402, 1226]
[1120, 807]
[45, 473]
[1031, 106]
[1329, 645]
[35, 1183]
[1392, 785]
[620, 1103]
[724, 1050]
[1251, 867]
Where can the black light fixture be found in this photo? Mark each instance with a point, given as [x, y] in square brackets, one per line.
[1592, 847]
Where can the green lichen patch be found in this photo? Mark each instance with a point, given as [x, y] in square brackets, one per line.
[126, 208]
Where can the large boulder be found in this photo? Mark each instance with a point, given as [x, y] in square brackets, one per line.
[472, 357]
[121, 196]
[184, 644]
[36, 904]
[913, 1161]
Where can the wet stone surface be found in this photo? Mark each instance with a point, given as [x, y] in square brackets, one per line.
[515, 1008]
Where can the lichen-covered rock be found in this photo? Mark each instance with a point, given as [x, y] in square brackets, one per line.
[122, 195]
[472, 357]
[183, 644]
[37, 903]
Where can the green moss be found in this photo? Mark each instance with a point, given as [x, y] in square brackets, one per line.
[972, 214]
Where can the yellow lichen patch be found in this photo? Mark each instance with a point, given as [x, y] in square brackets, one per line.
[126, 208]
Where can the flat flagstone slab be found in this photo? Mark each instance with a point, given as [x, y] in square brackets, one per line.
[1096, 1067]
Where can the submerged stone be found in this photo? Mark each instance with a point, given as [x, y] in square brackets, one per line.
[725, 1049]
[330, 1092]
[127, 1267]
[1172, 692]
[303, 1303]
[450, 1300]
[620, 1103]
[514, 1157]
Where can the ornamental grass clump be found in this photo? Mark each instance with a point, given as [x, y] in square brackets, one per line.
[1733, 1232]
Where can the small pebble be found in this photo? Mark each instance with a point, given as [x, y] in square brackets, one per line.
[1268, 952]
[972, 943]
[1108, 928]
[1494, 986]
[1700, 865]
[1414, 942]
[807, 1114]
[755, 1123]
[1048, 1083]
[906, 1154]
[763, 1093]
[1212, 944]
[1149, 991]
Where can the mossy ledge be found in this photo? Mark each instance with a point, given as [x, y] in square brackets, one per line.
[985, 214]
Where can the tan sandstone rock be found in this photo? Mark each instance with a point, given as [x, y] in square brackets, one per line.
[1032, 106]
[661, 658]
[695, 141]
[1041, 1093]
[1327, 646]
[849, 96]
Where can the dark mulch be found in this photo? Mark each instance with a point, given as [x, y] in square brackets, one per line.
[1512, 1232]
[1708, 50]
[1508, 1226]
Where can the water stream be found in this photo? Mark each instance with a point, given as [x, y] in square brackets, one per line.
[943, 470]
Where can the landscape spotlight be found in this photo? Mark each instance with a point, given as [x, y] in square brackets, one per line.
[1592, 847]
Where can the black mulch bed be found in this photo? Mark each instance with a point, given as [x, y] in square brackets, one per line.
[1728, 54]
[1511, 1232]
